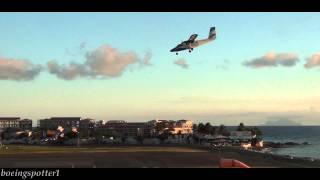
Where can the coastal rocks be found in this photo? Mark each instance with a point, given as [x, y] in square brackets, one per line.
[291, 144]
[273, 144]
[283, 145]
[305, 143]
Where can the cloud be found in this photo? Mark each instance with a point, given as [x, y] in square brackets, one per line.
[281, 121]
[108, 61]
[103, 62]
[68, 52]
[224, 66]
[18, 70]
[313, 61]
[67, 72]
[78, 50]
[147, 58]
[82, 45]
[181, 62]
[272, 59]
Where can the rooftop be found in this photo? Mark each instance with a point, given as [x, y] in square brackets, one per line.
[9, 118]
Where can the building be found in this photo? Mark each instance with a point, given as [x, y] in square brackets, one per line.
[122, 128]
[15, 122]
[25, 124]
[111, 128]
[183, 127]
[87, 127]
[99, 123]
[54, 122]
[135, 129]
[9, 122]
[160, 126]
[150, 129]
[241, 135]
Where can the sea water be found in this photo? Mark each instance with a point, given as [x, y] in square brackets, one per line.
[297, 134]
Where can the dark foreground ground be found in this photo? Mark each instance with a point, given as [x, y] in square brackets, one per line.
[140, 157]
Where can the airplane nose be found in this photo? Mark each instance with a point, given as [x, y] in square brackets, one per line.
[172, 50]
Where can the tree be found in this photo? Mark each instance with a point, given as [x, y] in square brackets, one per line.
[241, 127]
[195, 127]
[213, 130]
[69, 135]
[201, 128]
[222, 130]
[256, 131]
[207, 128]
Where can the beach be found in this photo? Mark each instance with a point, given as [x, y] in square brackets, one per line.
[21, 156]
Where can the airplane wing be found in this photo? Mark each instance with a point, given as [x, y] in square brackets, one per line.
[193, 37]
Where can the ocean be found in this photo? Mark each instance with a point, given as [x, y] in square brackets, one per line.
[298, 134]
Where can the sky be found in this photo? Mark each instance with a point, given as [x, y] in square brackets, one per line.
[261, 67]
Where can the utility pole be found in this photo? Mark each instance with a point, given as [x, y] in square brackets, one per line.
[78, 140]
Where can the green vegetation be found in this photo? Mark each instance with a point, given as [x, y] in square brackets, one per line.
[212, 130]
[241, 127]
[254, 130]
[222, 130]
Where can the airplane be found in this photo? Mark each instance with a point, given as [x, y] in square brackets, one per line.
[192, 43]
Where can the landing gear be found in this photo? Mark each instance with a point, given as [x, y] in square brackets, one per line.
[177, 54]
[189, 50]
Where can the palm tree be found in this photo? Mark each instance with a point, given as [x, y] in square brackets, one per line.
[256, 131]
[223, 130]
[201, 128]
[207, 128]
[241, 127]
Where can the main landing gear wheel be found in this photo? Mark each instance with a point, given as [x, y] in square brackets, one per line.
[176, 53]
[189, 51]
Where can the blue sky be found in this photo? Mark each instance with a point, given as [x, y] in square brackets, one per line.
[216, 86]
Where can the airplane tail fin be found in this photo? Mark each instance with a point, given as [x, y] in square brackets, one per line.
[212, 33]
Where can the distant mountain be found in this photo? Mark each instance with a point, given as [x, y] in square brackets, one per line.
[281, 122]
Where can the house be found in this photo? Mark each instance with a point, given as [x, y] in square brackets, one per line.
[15, 122]
[87, 127]
[183, 127]
[25, 124]
[9, 122]
[54, 122]
[241, 135]
[173, 127]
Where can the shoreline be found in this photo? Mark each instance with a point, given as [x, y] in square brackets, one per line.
[286, 155]
[272, 147]
[277, 158]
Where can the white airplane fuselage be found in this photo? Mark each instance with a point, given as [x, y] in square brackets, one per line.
[200, 42]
